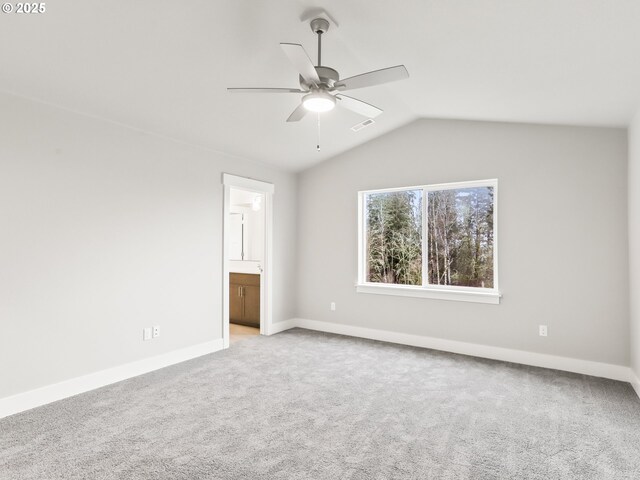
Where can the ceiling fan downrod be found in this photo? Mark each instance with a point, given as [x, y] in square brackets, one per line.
[319, 26]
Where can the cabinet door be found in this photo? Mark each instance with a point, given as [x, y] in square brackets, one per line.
[235, 302]
[251, 305]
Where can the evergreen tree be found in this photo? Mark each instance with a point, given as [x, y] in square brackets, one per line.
[394, 233]
[459, 237]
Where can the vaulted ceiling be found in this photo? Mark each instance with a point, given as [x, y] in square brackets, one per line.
[163, 66]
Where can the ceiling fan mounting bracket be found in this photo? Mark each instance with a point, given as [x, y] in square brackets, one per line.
[319, 25]
[311, 13]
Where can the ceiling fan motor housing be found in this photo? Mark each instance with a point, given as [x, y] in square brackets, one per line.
[328, 77]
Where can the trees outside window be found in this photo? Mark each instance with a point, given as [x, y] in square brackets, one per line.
[431, 236]
[460, 237]
[394, 237]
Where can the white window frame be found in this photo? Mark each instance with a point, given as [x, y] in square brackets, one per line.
[440, 292]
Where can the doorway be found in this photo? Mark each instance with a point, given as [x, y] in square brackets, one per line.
[247, 252]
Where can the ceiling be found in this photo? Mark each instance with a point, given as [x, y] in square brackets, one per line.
[163, 66]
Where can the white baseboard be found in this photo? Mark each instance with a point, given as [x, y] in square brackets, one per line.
[51, 393]
[635, 382]
[282, 326]
[58, 391]
[586, 367]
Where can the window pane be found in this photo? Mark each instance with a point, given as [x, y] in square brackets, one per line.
[394, 237]
[460, 237]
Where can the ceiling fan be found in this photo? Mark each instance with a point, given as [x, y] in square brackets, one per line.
[322, 86]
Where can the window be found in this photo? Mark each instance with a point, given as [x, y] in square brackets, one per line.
[434, 241]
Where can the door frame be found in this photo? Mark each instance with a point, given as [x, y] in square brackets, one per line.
[266, 294]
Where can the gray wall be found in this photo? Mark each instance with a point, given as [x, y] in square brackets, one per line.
[563, 257]
[634, 241]
[106, 230]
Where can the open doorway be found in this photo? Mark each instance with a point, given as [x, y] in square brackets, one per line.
[247, 258]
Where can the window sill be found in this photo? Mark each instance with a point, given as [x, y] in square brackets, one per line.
[460, 295]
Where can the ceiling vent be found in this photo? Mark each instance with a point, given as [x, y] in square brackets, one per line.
[361, 125]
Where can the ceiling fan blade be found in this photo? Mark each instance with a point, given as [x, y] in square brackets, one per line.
[302, 62]
[363, 108]
[265, 90]
[377, 77]
[297, 114]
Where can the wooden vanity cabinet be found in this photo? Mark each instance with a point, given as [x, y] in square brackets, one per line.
[244, 299]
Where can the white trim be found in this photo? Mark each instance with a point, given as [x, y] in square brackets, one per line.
[58, 391]
[425, 238]
[440, 292]
[490, 296]
[226, 228]
[585, 367]
[266, 278]
[438, 186]
[635, 382]
[278, 327]
[247, 183]
[496, 223]
[68, 388]
[362, 247]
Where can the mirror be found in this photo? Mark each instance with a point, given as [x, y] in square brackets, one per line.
[237, 243]
[246, 226]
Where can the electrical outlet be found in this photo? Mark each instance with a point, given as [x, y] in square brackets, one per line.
[146, 333]
[156, 331]
[333, 306]
[542, 329]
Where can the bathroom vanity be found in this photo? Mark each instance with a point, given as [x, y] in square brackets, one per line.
[244, 299]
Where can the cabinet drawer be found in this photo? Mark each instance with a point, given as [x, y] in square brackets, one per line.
[249, 279]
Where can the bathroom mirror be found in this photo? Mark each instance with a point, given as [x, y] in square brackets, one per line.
[246, 226]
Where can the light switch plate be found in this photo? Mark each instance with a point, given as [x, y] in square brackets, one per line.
[146, 333]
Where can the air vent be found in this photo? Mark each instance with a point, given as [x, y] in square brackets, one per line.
[361, 125]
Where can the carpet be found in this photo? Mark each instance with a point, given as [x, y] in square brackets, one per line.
[309, 405]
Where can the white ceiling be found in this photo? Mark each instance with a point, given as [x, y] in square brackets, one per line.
[163, 66]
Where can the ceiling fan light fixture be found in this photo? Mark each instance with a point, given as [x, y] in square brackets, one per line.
[319, 102]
